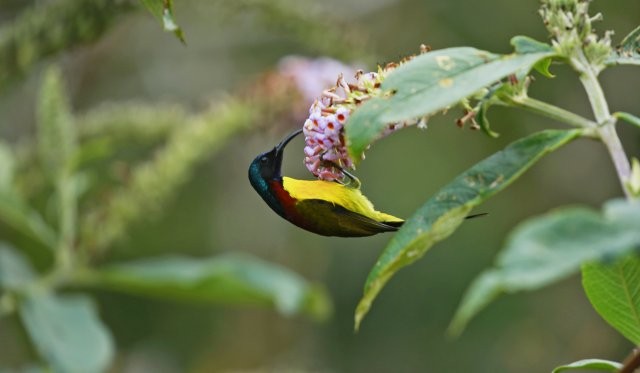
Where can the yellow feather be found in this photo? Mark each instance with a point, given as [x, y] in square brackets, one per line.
[349, 198]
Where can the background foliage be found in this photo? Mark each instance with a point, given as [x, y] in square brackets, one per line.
[130, 71]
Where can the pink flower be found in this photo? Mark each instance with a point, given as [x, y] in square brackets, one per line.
[326, 154]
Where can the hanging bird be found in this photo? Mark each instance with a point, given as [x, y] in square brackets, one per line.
[323, 207]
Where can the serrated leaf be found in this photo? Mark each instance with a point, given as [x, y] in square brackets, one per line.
[15, 270]
[56, 133]
[67, 332]
[628, 52]
[447, 209]
[614, 291]
[592, 364]
[163, 11]
[548, 248]
[227, 279]
[428, 84]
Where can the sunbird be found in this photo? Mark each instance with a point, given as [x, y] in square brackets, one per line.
[328, 208]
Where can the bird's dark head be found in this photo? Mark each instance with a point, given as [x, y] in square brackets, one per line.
[267, 166]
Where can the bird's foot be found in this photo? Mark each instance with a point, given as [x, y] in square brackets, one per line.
[349, 179]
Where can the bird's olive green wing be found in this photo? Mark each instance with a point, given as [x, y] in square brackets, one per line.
[331, 219]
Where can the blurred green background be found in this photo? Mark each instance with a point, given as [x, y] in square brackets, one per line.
[228, 49]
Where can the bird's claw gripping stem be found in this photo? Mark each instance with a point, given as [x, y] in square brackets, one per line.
[349, 180]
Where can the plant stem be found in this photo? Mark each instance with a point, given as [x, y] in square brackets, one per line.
[606, 122]
[632, 362]
[552, 111]
[629, 118]
[618, 156]
[599, 105]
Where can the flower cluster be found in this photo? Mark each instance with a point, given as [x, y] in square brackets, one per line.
[570, 24]
[325, 152]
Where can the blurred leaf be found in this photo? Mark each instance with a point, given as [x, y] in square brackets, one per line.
[27, 369]
[592, 364]
[628, 52]
[7, 164]
[634, 179]
[57, 144]
[447, 209]
[163, 11]
[15, 270]
[18, 215]
[132, 121]
[227, 279]
[430, 83]
[614, 291]
[314, 24]
[48, 27]
[548, 248]
[153, 182]
[56, 134]
[67, 332]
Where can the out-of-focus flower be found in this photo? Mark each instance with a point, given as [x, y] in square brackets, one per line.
[311, 76]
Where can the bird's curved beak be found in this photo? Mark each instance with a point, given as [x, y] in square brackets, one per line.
[286, 140]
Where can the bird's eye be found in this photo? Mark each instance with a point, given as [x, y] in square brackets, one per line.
[264, 160]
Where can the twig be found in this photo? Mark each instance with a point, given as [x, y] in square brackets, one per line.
[632, 362]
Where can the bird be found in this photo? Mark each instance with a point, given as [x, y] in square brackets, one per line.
[327, 208]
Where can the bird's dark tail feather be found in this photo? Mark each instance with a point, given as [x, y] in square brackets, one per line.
[398, 224]
[477, 215]
[395, 224]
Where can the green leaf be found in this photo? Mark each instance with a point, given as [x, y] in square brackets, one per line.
[543, 67]
[67, 332]
[15, 270]
[15, 213]
[628, 52]
[430, 83]
[592, 364]
[548, 248]
[7, 164]
[163, 11]
[614, 291]
[447, 209]
[481, 115]
[227, 279]
[56, 134]
[628, 117]
[45, 29]
[525, 44]
[634, 179]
